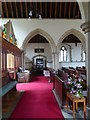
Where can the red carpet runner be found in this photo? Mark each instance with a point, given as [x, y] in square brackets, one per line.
[37, 101]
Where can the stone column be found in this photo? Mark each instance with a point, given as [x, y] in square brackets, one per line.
[53, 59]
[86, 28]
[23, 55]
[56, 61]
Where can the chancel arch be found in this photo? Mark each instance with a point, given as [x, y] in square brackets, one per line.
[38, 42]
[44, 34]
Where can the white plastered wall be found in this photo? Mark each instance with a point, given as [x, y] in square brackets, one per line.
[54, 27]
[54, 30]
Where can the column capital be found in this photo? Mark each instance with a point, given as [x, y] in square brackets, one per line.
[85, 27]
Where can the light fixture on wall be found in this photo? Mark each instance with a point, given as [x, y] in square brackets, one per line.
[34, 13]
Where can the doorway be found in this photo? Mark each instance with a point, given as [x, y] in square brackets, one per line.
[39, 63]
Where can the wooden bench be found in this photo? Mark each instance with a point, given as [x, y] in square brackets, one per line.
[7, 84]
[6, 88]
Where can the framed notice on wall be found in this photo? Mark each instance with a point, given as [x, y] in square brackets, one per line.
[39, 50]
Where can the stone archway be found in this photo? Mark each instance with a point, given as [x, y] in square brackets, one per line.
[40, 57]
[74, 32]
[44, 34]
[78, 34]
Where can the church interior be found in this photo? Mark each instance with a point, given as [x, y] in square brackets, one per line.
[45, 59]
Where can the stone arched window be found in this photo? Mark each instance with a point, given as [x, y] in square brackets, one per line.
[63, 54]
[83, 55]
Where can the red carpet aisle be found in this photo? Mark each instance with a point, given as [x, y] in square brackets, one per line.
[38, 100]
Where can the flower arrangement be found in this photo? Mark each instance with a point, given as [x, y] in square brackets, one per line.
[76, 86]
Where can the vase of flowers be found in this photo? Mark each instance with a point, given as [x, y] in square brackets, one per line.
[76, 86]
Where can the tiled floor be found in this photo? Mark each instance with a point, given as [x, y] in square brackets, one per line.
[68, 114]
[79, 115]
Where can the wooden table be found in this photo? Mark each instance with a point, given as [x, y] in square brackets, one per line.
[75, 100]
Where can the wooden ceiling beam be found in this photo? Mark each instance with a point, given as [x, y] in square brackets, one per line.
[1, 13]
[55, 9]
[65, 10]
[3, 7]
[21, 9]
[16, 10]
[41, 8]
[74, 9]
[69, 11]
[11, 9]
[26, 10]
[71, 39]
[50, 9]
[38, 39]
[78, 11]
[36, 6]
[60, 10]
[7, 14]
[45, 10]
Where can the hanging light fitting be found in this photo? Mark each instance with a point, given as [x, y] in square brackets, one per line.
[34, 13]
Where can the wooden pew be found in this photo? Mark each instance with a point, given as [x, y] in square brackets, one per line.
[81, 71]
[60, 91]
[10, 96]
[69, 70]
[7, 84]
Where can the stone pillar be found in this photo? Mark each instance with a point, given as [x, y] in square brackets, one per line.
[23, 55]
[56, 61]
[86, 28]
[53, 59]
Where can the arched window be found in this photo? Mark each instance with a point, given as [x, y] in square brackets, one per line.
[84, 55]
[63, 54]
